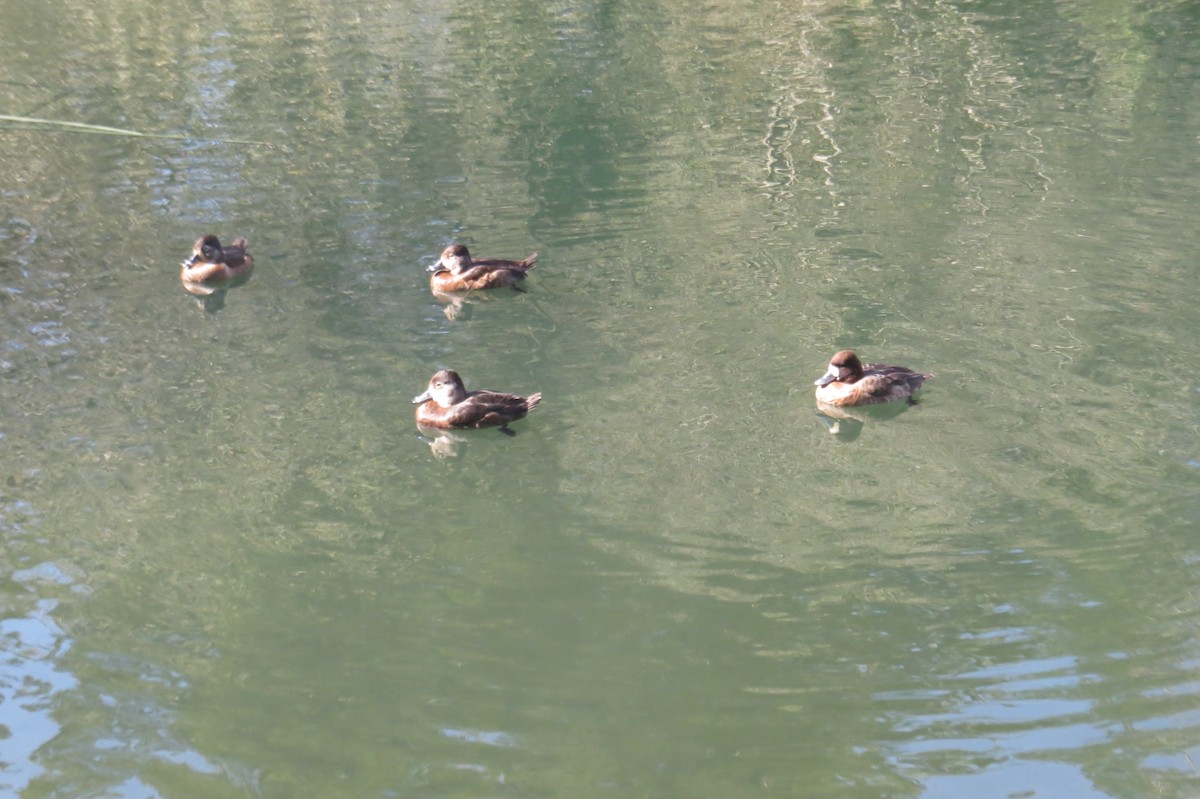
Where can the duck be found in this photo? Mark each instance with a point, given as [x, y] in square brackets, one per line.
[456, 270]
[210, 261]
[447, 405]
[851, 382]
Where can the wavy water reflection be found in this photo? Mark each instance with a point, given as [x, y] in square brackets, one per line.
[236, 567]
[31, 682]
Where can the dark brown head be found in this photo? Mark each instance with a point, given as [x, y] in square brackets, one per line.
[207, 249]
[445, 389]
[456, 258]
[844, 367]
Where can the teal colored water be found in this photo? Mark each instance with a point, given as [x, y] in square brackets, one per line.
[234, 567]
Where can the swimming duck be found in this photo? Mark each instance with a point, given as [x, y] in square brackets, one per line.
[211, 261]
[446, 403]
[850, 382]
[457, 271]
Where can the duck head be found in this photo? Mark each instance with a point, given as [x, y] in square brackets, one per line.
[844, 367]
[445, 388]
[455, 258]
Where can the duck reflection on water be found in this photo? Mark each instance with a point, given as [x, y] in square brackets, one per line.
[871, 390]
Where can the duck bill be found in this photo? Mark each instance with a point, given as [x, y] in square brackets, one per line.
[436, 266]
[826, 379]
[417, 400]
[191, 260]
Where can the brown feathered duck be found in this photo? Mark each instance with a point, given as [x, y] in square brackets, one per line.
[210, 261]
[851, 382]
[447, 404]
[456, 270]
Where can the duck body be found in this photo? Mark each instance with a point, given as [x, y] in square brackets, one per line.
[851, 382]
[446, 404]
[457, 271]
[210, 262]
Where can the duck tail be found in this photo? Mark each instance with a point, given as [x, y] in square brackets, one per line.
[240, 241]
[532, 401]
[529, 262]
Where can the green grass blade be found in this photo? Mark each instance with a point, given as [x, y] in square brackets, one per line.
[107, 131]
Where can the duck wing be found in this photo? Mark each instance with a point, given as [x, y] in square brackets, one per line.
[882, 380]
[235, 254]
[487, 409]
[524, 265]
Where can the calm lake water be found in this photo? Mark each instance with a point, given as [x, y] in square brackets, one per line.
[233, 567]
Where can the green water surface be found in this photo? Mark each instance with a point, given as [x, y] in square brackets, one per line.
[233, 566]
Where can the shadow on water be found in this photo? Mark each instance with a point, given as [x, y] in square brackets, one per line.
[846, 423]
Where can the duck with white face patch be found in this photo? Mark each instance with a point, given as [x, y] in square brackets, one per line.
[447, 404]
[849, 381]
[456, 270]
